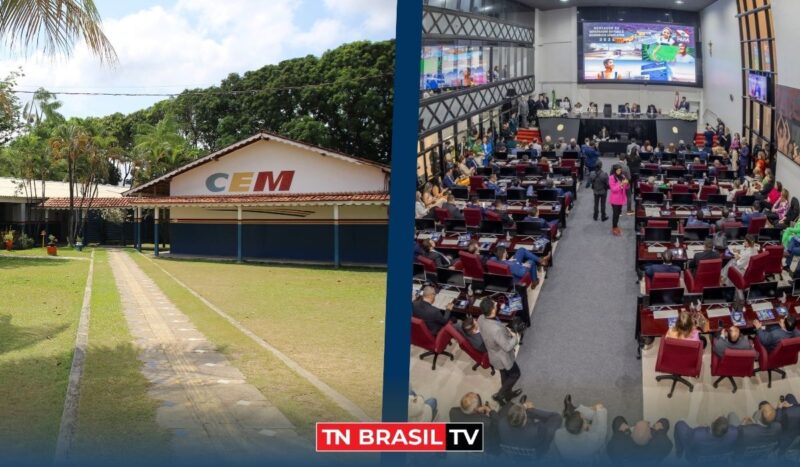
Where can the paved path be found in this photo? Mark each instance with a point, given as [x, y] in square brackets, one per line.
[211, 410]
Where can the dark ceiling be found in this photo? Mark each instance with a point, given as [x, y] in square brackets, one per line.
[687, 5]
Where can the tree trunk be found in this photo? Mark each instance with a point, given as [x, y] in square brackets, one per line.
[71, 219]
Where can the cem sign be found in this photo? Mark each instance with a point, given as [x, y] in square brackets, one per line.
[250, 182]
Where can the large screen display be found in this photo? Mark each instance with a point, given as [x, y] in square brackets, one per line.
[757, 87]
[653, 52]
[452, 67]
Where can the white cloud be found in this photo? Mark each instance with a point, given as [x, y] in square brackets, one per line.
[196, 43]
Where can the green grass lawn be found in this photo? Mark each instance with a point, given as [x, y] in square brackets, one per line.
[63, 251]
[116, 417]
[41, 304]
[329, 321]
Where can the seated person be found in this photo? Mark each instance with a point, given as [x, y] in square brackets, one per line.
[731, 338]
[492, 184]
[697, 220]
[517, 263]
[475, 203]
[449, 180]
[441, 260]
[788, 413]
[665, 266]
[533, 216]
[473, 410]
[515, 185]
[475, 248]
[763, 428]
[771, 335]
[420, 210]
[422, 308]
[453, 211]
[583, 437]
[708, 253]
[421, 409]
[643, 444]
[500, 209]
[719, 438]
[741, 258]
[522, 426]
[756, 213]
[469, 328]
[688, 328]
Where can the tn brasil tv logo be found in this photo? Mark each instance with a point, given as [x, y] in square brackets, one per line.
[244, 182]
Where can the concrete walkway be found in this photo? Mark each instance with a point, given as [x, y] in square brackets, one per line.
[213, 413]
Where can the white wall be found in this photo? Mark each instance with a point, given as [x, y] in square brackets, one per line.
[722, 69]
[787, 41]
[556, 67]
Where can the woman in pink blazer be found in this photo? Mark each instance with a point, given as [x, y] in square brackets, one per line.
[618, 197]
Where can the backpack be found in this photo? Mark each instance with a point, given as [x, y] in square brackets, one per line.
[720, 241]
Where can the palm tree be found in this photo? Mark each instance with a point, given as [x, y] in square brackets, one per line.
[42, 107]
[70, 142]
[54, 26]
[158, 149]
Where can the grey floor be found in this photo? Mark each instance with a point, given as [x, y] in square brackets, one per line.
[583, 324]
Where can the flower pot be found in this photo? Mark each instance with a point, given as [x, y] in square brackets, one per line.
[79, 246]
[52, 250]
[9, 244]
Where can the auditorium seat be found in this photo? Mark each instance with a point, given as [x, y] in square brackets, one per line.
[435, 345]
[680, 188]
[733, 364]
[442, 215]
[784, 354]
[657, 223]
[662, 280]
[774, 263]
[496, 267]
[679, 358]
[707, 190]
[756, 224]
[752, 275]
[481, 359]
[473, 269]
[472, 217]
[427, 263]
[707, 275]
[475, 183]
[646, 188]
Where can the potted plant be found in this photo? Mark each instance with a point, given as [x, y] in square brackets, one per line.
[52, 249]
[79, 243]
[8, 240]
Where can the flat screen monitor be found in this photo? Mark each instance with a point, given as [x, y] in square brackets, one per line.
[563, 171]
[717, 200]
[455, 225]
[425, 224]
[500, 156]
[725, 174]
[697, 174]
[484, 171]
[491, 227]
[532, 170]
[696, 234]
[460, 192]
[530, 227]
[486, 194]
[669, 157]
[508, 171]
[570, 155]
[665, 297]
[498, 283]
[645, 156]
[547, 195]
[770, 234]
[715, 157]
[452, 66]
[713, 295]
[762, 291]
[682, 199]
[419, 272]
[549, 154]
[796, 287]
[451, 277]
[625, 52]
[515, 194]
[657, 234]
[745, 200]
[758, 87]
[735, 233]
[676, 173]
[645, 172]
[653, 198]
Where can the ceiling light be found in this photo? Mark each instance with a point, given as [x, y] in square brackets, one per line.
[564, 1]
[679, 2]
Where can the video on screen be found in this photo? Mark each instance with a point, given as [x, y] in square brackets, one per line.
[451, 67]
[660, 53]
[757, 87]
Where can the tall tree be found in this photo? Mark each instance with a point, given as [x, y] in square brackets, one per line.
[70, 142]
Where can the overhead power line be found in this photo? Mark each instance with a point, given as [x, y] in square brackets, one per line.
[216, 93]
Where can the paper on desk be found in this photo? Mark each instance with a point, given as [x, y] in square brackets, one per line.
[665, 314]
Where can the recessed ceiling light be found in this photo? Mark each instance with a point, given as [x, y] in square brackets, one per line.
[679, 2]
[564, 1]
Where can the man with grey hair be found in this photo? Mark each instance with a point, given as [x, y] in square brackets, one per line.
[435, 318]
[643, 443]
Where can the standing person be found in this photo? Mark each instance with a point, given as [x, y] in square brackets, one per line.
[618, 185]
[634, 166]
[500, 343]
[744, 159]
[626, 171]
[598, 181]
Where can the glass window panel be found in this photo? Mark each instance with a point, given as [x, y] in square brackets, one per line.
[766, 56]
[757, 118]
[747, 113]
[743, 28]
[761, 16]
[751, 23]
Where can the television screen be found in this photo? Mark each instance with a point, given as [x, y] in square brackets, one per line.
[431, 76]
[757, 87]
[449, 66]
[653, 52]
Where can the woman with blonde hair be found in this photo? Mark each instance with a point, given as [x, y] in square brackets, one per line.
[688, 327]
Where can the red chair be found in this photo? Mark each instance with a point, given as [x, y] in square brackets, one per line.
[679, 358]
[752, 275]
[774, 262]
[707, 275]
[680, 188]
[646, 188]
[435, 345]
[662, 280]
[492, 216]
[739, 194]
[784, 354]
[653, 223]
[473, 268]
[707, 190]
[733, 364]
[496, 267]
[568, 163]
[475, 183]
[731, 225]
[472, 217]
[442, 214]
[427, 263]
[544, 168]
[481, 359]
[756, 224]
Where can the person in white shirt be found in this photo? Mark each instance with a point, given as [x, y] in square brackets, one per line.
[665, 37]
[741, 259]
[632, 145]
[683, 56]
[420, 210]
[536, 146]
[583, 437]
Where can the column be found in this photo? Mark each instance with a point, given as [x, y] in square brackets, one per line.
[137, 241]
[46, 229]
[239, 234]
[336, 261]
[156, 211]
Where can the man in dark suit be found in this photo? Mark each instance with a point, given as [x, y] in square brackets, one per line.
[684, 105]
[665, 266]
[523, 426]
[772, 335]
[453, 211]
[788, 414]
[423, 309]
[651, 109]
[718, 439]
[469, 328]
[761, 430]
[473, 410]
[642, 444]
[708, 253]
[731, 338]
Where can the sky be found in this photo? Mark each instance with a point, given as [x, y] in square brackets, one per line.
[165, 46]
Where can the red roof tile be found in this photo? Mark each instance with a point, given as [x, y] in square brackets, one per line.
[258, 199]
[97, 203]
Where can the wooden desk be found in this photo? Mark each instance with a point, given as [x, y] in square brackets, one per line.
[516, 241]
